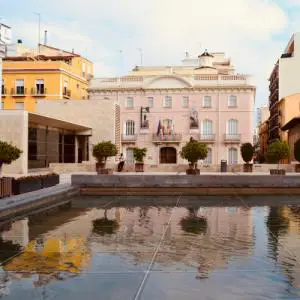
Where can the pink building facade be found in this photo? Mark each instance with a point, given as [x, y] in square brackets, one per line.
[161, 108]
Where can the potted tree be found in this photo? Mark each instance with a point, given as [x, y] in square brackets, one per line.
[139, 155]
[101, 152]
[277, 151]
[8, 154]
[192, 223]
[192, 152]
[247, 151]
[297, 155]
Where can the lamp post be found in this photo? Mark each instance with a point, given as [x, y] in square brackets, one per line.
[5, 38]
[144, 123]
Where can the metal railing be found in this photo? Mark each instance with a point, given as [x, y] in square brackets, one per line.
[21, 91]
[129, 138]
[232, 137]
[38, 92]
[175, 137]
[67, 93]
[207, 137]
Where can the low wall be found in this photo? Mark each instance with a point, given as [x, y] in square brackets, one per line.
[172, 184]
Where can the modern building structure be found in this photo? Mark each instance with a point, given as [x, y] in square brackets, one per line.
[263, 114]
[45, 73]
[283, 82]
[162, 107]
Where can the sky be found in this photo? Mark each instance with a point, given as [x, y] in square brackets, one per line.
[253, 33]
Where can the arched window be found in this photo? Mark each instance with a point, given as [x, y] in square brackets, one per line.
[168, 155]
[208, 159]
[130, 128]
[232, 101]
[232, 156]
[232, 127]
[207, 128]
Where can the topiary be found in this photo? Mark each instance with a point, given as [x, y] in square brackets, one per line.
[193, 151]
[139, 154]
[103, 150]
[247, 152]
[8, 153]
[277, 151]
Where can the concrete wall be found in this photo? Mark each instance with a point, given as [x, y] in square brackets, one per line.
[14, 129]
[99, 115]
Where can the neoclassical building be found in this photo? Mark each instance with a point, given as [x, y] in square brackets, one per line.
[162, 107]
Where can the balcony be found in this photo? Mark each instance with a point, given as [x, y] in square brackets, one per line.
[41, 92]
[129, 138]
[18, 92]
[168, 138]
[67, 93]
[207, 138]
[232, 138]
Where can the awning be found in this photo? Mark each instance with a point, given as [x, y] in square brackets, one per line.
[292, 123]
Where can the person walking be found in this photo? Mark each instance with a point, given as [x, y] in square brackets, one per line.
[121, 163]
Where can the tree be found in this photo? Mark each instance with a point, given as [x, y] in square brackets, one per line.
[193, 151]
[8, 153]
[103, 150]
[277, 151]
[192, 223]
[247, 151]
[139, 154]
[297, 150]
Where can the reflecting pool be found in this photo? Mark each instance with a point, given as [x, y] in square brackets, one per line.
[155, 248]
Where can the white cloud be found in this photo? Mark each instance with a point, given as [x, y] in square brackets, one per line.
[165, 30]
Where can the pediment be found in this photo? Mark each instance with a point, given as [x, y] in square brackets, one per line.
[166, 82]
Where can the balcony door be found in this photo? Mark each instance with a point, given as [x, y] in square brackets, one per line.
[207, 129]
[232, 127]
[129, 156]
[232, 156]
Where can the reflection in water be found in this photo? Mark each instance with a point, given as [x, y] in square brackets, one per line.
[202, 240]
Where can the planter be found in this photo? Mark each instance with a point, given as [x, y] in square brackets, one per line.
[248, 168]
[277, 172]
[21, 186]
[297, 168]
[139, 167]
[100, 168]
[50, 180]
[5, 187]
[193, 172]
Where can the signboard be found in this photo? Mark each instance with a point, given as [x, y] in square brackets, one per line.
[5, 34]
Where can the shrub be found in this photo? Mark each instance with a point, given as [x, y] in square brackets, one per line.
[247, 152]
[277, 151]
[8, 153]
[297, 150]
[139, 154]
[103, 150]
[193, 151]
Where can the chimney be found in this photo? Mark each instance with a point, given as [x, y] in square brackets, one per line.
[19, 41]
[45, 37]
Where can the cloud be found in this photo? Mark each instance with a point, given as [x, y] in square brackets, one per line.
[245, 29]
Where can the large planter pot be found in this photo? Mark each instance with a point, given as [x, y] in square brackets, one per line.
[21, 186]
[100, 168]
[248, 168]
[277, 172]
[297, 168]
[5, 187]
[193, 171]
[49, 181]
[139, 167]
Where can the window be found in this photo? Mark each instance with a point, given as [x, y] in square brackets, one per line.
[207, 101]
[20, 90]
[185, 101]
[232, 127]
[130, 130]
[207, 127]
[2, 88]
[232, 156]
[83, 69]
[65, 91]
[19, 105]
[77, 86]
[129, 102]
[150, 102]
[168, 102]
[40, 87]
[208, 159]
[232, 101]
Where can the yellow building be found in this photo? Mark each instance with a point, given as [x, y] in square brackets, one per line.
[45, 73]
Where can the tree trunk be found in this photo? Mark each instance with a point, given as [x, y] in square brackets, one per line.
[1, 164]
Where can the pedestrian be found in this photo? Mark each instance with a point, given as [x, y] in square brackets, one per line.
[121, 163]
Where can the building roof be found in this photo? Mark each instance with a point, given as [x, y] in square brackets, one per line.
[292, 123]
[205, 53]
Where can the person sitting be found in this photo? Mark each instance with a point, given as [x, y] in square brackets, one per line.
[121, 163]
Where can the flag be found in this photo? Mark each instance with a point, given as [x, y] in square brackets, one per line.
[158, 128]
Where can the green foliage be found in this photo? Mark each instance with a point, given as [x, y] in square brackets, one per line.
[247, 152]
[139, 154]
[277, 151]
[8, 153]
[193, 151]
[297, 150]
[103, 150]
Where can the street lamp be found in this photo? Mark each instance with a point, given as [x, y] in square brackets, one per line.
[5, 38]
[144, 121]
